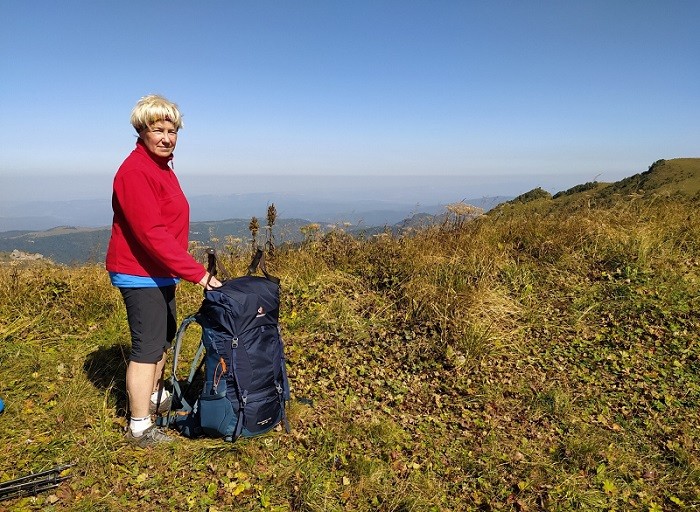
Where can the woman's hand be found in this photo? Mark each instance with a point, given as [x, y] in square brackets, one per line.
[212, 281]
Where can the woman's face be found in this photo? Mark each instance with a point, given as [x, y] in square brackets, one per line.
[160, 138]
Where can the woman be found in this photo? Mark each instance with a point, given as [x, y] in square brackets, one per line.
[147, 256]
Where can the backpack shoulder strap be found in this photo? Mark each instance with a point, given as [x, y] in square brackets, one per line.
[178, 393]
[177, 346]
[259, 261]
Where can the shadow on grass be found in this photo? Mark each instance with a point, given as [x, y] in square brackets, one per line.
[106, 369]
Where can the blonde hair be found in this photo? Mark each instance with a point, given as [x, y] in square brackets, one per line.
[152, 108]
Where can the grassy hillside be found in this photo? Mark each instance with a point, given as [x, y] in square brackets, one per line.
[677, 177]
[532, 359]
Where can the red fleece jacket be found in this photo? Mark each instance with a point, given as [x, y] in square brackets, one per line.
[151, 221]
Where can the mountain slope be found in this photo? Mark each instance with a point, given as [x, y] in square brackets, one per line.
[664, 178]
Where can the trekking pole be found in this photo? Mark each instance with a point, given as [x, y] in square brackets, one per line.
[33, 483]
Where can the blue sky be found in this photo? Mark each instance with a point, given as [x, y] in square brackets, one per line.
[496, 88]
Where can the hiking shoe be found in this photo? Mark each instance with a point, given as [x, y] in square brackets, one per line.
[151, 436]
[163, 406]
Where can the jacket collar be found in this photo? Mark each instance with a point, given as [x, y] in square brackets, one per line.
[162, 162]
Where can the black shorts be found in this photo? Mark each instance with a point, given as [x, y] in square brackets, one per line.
[152, 321]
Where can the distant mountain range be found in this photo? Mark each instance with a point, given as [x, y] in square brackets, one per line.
[43, 215]
[72, 243]
[68, 244]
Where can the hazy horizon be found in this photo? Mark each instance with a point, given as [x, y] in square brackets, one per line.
[44, 202]
[401, 187]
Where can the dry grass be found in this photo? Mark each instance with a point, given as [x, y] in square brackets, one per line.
[526, 360]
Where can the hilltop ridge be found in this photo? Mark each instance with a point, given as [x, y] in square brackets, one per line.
[678, 176]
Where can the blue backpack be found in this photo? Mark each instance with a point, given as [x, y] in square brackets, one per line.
[245, 388]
